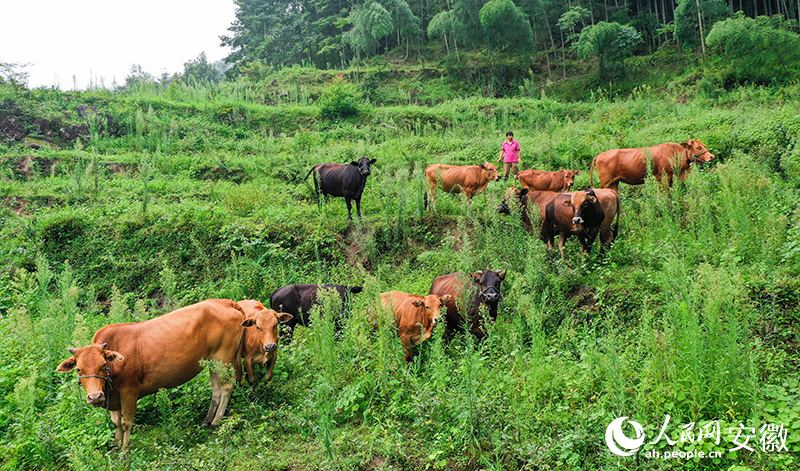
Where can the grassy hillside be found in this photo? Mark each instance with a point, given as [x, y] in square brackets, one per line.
[195, 192]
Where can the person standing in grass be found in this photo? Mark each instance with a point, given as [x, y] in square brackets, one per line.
[509, 150]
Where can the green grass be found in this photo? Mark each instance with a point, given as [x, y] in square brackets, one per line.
[199, 193]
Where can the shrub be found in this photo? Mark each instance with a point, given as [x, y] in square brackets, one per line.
[338, 100]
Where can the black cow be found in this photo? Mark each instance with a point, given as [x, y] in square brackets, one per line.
[347, 181]
[297, 300]
[468, 291]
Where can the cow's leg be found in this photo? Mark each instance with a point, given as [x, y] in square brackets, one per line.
[248, 364]
[269, 365]
[406, 341]
[215, 398]
[562, 240]
[349, 209]
[116, 419]
[222, 391]
[582, 240]
[128, 402]
[358, 207]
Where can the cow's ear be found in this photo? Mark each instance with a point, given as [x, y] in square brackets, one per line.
[72, 350]
[372, 161]
[112, 356]
[284, 317]
[477, 275]
[356, 289]
[502, 275]
[579, 172]
[523, 192]
[445, 299]
[417, 303]
[354, 163]
[685, 145]
[249, 322]
[66, 365]
[483, 165]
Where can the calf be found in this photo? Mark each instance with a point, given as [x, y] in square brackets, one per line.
[415, 316]
[471, 179]
[260, 345]
[129, 361]
[539, 180]
[347, 181]
[467, 293]
[582, 213]
[298, 300]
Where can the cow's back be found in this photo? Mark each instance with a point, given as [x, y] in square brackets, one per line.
[165, 351]
[454, 178]
[340, 180]
[539, 180]
[459, 287]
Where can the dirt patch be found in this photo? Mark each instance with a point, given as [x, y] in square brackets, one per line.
[28, 166]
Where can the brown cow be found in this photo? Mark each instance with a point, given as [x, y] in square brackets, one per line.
[629, 165]
[468, 292]
[129, 361]
[471, 179]
[526, 201]
[415, 316]
[539, 180]
[260, 345]
[582, 213]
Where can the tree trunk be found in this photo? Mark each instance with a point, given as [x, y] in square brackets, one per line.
[700, 22]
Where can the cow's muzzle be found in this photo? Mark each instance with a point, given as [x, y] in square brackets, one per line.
[577, 220]
[96, 399]
[270, 347]
[491, 295]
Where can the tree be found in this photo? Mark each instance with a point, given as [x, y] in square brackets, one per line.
[570, 19]
[760, 50]
[443, 25]
[609, 42]
[406, 26]
[371, 22]
[506, 26]
[688, 21]
[200, 70]
[14, 74]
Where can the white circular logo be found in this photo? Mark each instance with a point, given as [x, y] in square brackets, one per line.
[618, 443]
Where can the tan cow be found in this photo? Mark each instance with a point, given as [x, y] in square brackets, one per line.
[415, 316]
[539, 180]
[129, 361]
[470, 179]
[260, 345]
[629, 165]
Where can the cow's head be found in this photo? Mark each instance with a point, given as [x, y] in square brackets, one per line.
[513, 196]
[489, 285]
[356, 289]
[696, 151]
[491, 171]
[430, 306]
[266, 322]
[363, 166]
[91, 364]
[583, 202]
[569, 176]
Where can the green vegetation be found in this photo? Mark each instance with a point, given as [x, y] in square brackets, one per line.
[181, 192]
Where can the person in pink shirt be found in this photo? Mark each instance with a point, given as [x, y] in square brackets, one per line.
[510, 150]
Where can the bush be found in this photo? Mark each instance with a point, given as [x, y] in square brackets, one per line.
[338, 100]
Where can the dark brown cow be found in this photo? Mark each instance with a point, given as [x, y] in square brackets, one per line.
[525, 202]
[582, 213]
[539, 180]
[298, 300]
[470, 179]
[414, 315]
[260, 345]
[347, 181]
[129, 361]
[630, 166]
[468, 292]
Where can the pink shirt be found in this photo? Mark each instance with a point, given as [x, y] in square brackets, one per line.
[510, 150]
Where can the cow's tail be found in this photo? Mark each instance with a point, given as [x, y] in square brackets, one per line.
[591, 173]
[616, 222]
[237, 362]
[309, 173]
